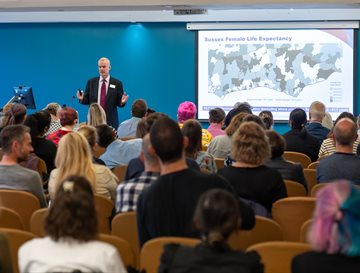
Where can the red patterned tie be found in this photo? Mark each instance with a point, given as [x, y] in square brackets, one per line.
[103, 95]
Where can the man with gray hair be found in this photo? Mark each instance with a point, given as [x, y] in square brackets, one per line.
[343, 164]
[15, 142]
[314, 127]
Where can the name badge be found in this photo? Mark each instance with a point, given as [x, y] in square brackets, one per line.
[112, 85]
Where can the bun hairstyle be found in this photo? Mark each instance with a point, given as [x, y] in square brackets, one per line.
[298, 120]
[72, 214]
[217, 215]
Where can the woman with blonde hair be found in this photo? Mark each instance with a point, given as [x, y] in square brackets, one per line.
[74, 158]
[89, 132]
[96, 115]
[251, 179]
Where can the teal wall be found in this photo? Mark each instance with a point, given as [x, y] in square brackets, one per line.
[155, 61]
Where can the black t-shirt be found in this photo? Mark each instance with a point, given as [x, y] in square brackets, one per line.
[166, 208]
[261, 184]
[325, 263]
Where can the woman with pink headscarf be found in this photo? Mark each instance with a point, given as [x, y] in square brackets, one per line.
[335, 233]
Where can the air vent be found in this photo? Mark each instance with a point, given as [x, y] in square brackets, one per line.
[190, 11]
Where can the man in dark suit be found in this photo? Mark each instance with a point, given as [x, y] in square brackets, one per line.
[106, 91]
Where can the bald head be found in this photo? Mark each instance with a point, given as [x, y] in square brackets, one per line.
[345, 132]
[317, 111]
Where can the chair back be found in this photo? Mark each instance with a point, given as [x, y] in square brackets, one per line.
[16, 238]
[124, 225]
[9, 218]
[313, 165]
[304, 231]
[120, 172]
[296, 157]
[104, 207]
[290, 213]
[294, 188]
[219, 163]
[264, 230]
[37, 222]
[317, 187]
[125, 250]
[277, 256]
[152, 250]
[24, 203]
[310, 175]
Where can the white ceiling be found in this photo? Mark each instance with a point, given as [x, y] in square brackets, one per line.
[162, 10]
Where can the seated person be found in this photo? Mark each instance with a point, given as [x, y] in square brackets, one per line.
[328, 145]
[117, 152]
[192, 130]
[72, 230]
[96, 115]
[89, 132]
[216, 120]
[128, 127]
[314, 126]
[74, 158]
[335, 234]
[287, 170]
[217, 215]
[267, 118]
[343, 164]
[248, 175]
[187, 110]
[68, 119]
[298, 139]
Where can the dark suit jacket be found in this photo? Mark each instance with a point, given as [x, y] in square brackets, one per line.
[288, 170]
[113, 98]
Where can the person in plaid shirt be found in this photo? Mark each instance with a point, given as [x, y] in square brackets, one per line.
[128, 192]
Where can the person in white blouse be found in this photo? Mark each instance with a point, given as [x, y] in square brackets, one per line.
[71, 241]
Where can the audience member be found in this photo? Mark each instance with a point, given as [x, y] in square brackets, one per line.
[239, 107]
[335, 234]
[96, 115]
[251, 179]
[267, 118]
[216, 119]
[314, 126]
[328, 145]
[15, 142]
[89, 132]
[167, 206]
[17, 114]
[39, 123]
[5, 115]
[53, 109]
[117, 152]
[71, 244]
[136, 165]
[217, 216]
[127, 193]
[128, 127]
[327, 121]
[343, 164]
[74, 158]
[287, 170]
[298, 139]
[68, 119]
[187, 110]
[220, 146]
[192, 130]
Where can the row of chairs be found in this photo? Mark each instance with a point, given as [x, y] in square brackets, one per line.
[288, 216]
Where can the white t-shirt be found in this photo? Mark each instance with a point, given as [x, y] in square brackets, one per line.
[46, 255]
